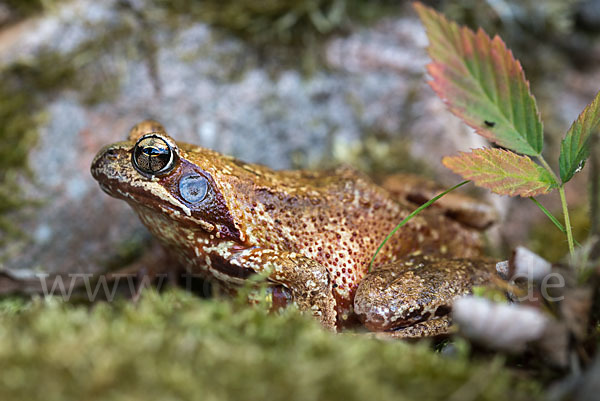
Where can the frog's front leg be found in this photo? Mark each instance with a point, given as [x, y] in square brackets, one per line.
[307, 280]
[413, 297]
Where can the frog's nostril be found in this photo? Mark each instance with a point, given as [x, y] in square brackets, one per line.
[106, 155]
[111, 154]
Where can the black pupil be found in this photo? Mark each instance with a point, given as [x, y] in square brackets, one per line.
[152, 155]
[153, 151]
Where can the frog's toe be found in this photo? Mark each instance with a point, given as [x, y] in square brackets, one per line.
[431, 328]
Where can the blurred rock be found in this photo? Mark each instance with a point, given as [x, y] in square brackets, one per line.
[506, 327]
[526, 264]
[209, 89]
[214, 90]
[588, 14]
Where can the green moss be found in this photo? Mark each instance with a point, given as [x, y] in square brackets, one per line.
[277, 21]
[13, 305]
[178, 347]
[23, 8]
[19, 119]
[20, 104]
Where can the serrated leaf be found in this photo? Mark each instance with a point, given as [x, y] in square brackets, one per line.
[574, 148]
[502, 171]
[481, 82]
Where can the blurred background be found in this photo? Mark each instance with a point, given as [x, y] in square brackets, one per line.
[287, 83]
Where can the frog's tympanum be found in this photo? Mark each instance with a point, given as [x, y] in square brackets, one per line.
[313, 233]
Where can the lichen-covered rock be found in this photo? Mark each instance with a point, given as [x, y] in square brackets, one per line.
[367, 100]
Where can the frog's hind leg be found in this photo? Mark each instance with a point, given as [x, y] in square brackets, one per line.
[413, 297]
[466, 210]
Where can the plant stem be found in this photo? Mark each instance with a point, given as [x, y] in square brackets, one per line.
[550, 216]
[548, 168]
[410, 216]
[563, 201]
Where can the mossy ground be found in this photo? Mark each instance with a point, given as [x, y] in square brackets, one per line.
[175, 346]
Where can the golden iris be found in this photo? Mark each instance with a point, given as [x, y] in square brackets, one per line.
[152, 155]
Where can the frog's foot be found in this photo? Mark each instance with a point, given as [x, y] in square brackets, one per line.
[413, 297]
[321, 305]
[439, 326]
[311, 287]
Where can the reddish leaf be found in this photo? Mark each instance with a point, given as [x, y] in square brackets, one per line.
[502, 171]
[481, 82]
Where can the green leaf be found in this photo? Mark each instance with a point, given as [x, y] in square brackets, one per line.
[574, 148]
[481, 82]
[502, 171]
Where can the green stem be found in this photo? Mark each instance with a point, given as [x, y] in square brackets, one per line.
[550, 216]
[410, 216]
[563, 200]
[548, 168]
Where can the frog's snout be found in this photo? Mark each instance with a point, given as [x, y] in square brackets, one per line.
[110, 164]
[99, 163]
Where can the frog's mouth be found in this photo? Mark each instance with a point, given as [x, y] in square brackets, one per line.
[106, 189]
[117, 177]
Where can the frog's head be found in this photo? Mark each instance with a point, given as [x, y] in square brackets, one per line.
[161, 178]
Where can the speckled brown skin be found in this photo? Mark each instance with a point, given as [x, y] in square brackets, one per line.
[314, 232]
[413, 297]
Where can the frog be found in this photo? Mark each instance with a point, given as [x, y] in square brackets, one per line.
[312, 234]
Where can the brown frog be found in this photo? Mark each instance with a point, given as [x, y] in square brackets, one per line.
[313, 233]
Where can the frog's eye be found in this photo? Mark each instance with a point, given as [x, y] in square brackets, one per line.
[152, 155]
[193, 188]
